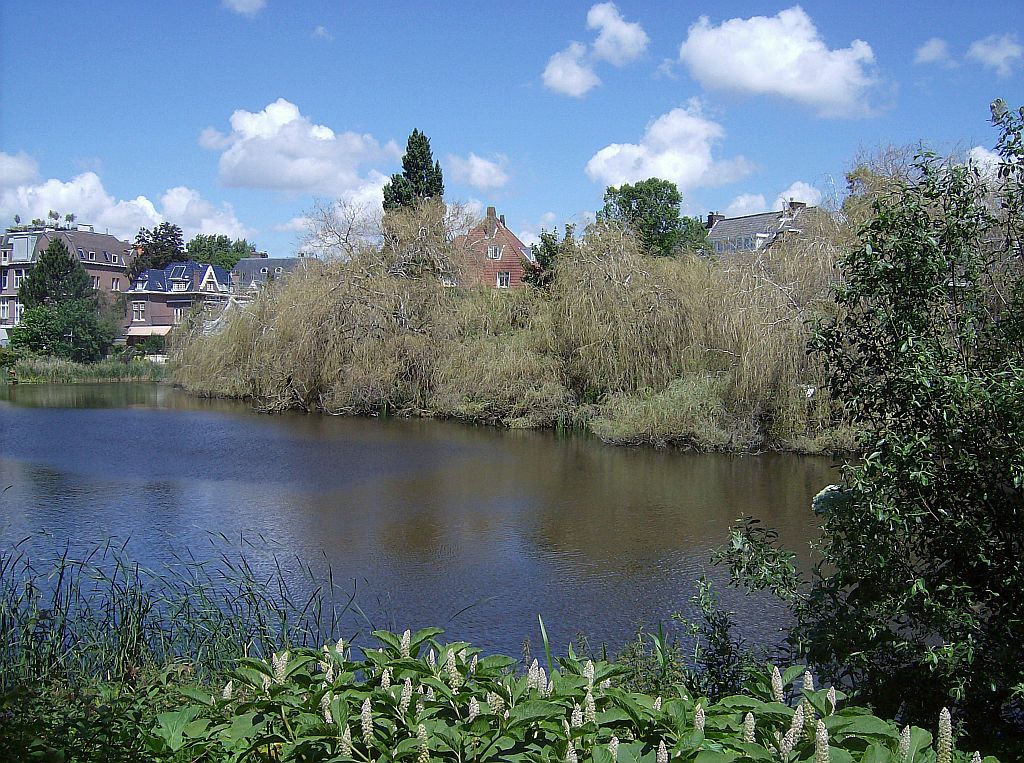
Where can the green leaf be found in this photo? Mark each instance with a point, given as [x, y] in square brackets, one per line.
[171, 726]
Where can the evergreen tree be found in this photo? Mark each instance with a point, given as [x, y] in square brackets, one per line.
[421, 175]
[159, 248]
[56, 278]
[546, 254]
[72, 330]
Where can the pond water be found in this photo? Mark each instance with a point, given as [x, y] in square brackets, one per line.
[472, 529]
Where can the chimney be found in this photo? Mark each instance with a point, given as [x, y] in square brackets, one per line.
[502, 219]
[713, 217]
[795, 205]
[491, 213]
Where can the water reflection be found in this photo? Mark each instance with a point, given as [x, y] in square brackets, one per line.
[430, 517]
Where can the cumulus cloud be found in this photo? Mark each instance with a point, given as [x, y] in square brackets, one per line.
[934, 51]
[567, 73]
[677, 146]
[17, 169]
[781, 55]
[798, 191]
[480, 173]
[85, 196]
[321, 33]
[985, 160]
[1001, 52]
[618, 41]
[529, 233]
[245, 7]
[571, 71]
[746, 204]
[280, 148]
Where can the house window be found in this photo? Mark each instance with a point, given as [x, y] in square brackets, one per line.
[138, 311]
[113, 258]
[92, 256]
[19, 310]
[115, 284]
[447, 279]
[81, 254]
[5, 308]
[503, 279]
[263, 270]
[278, 270]
[179, 286]
[4, 257]
[179, 314]
[95, 282]
[18, 276]
[494, 252]
[3, 281]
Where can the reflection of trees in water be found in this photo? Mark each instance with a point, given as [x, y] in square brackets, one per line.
[110, 395]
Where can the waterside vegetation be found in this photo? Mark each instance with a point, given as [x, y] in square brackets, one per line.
[103, 660]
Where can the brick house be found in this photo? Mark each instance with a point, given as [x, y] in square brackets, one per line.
[159, 300]
[104, 257]
[495, 256]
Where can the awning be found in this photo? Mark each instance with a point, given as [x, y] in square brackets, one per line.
[148, 330]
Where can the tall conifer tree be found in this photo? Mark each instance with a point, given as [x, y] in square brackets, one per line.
[421, 176]
[56, 278]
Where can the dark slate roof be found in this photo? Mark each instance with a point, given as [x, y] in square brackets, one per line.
[764, 227]
[191, 271]
[256, 270]
[102, 243]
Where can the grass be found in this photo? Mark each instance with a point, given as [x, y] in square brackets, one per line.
[686, 351]
[57, 370]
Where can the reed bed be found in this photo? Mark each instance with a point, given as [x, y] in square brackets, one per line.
[693, 351]
[101, 614]
[58, 370]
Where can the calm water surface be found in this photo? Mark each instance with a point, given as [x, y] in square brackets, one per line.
[425, 518]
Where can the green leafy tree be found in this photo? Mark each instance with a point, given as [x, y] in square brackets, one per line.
[57, 277]
[920, 580]
[421, 176]
[546, 255]
[650, 208]
[71, 330]
[157, 248]
[218, 250]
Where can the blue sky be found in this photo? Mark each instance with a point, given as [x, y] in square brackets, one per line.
[234, 115]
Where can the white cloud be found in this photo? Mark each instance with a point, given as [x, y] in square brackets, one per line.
[281, 149]
[618, 41]
[781, 55]
[566, 72]
[999, 52]
[321, 33]
[798, 191]
[746, 204]
[187, 208]
[245, 7]
[85, 196]
[934, 51]
[985, 160]
[300, 224]
[17, 169]
[480, 173]
[529, 233]
[677, 146]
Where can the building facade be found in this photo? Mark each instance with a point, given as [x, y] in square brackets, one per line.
[495, 255]
[159, 300]
[104, 257]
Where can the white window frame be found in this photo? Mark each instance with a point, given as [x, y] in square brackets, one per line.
[115, 284]
[5, 309]
[113, 258]
[138, 311]
[494, 252]
[507, 279]
[179, 286]
[19, 310]
[4, 257]
[3, 280]
[95, 282]
[179, 314]
[19, 276]
[92, 256]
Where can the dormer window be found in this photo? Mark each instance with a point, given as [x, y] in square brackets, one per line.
[494, 252]
[263, 270]
[81, 254]
[92, 256]
[114, 258]
[278, 270]
[179, 286]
